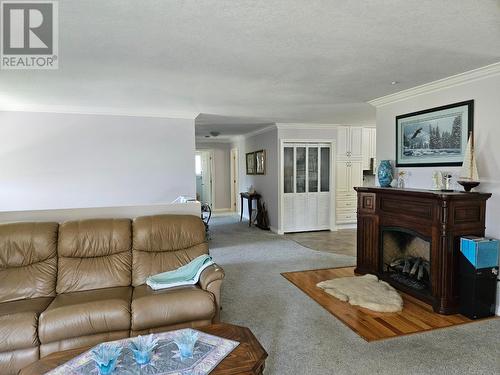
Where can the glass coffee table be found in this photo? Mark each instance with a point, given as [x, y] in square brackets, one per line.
[247, 358]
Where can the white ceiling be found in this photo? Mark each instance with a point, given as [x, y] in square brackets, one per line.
[278, 60]
[227, 126]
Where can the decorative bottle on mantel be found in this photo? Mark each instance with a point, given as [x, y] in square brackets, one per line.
[385, 174]
[469, 178]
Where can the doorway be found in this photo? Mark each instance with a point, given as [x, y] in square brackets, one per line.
[234, 180]
[204, 182]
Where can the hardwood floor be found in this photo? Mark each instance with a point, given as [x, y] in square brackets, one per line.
[416, 316]
[342, 241]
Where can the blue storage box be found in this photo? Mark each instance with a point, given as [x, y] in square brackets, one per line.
[481, 252]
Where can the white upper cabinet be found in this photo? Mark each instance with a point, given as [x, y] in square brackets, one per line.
[369, 146]
[350, 142]
[373, 143]
[356, 142]
[343, 139]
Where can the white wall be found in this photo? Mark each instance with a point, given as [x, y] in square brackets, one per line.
[328, 133]
[51, 161]
[486, 95]
[221, 178]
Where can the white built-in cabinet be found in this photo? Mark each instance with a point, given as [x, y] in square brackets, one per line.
[306, 186]
[356, 145]
[350, 142]
[369, 147]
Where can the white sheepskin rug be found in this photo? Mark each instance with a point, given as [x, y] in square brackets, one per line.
[365, 291]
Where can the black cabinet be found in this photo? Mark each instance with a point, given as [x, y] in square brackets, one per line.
[477, 290]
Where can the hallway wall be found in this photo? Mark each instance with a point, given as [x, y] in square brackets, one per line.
[266, 184]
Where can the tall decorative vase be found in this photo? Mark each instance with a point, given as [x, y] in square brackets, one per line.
[385, 174]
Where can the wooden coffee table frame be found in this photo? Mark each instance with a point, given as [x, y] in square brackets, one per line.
[247, 358]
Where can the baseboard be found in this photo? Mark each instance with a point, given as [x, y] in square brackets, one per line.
[347, 226]
[222, 210]
[277, 231]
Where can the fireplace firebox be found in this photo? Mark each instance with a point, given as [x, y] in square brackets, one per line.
[406, 258]
[410, 238]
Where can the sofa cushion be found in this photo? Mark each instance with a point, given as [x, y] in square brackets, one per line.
[28, 260]
[164, 243]
[85, 313]
[94, 254]
[157, 308]
[19, 323]
[13, 361]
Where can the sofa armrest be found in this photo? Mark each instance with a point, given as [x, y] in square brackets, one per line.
[211, 281]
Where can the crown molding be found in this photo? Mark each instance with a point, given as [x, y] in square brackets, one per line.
[260, 131]
[214, 140]
[455, 80]
[290, 125]
[102, 111]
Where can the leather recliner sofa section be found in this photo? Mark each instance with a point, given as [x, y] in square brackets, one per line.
[83, 282]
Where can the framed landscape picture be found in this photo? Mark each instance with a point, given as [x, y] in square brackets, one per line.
[250, 162]
[260, 162]
[434, 137]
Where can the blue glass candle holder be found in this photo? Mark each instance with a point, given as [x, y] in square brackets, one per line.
[106, 357]
[186, 341]
[142, 347]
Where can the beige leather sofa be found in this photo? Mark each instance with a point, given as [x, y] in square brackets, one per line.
[83, 282]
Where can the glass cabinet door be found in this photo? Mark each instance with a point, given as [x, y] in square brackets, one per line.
[300, 170]
[313, 169]
[288, 169]
[325, 168]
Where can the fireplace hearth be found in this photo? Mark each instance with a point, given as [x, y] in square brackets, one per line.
[410, 238]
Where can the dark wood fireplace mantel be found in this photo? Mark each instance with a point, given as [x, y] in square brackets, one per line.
[443, 217]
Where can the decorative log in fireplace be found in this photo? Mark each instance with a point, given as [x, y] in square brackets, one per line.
[394, 226]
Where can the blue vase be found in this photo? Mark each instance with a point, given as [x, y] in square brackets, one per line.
[385, 174]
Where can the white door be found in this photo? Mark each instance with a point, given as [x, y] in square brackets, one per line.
[343, 177]
[204, 185]
[367, 143]
[343, 142]
[373, 143]
[356, 172]
[234, 180]
[306, 187]
[356, 145]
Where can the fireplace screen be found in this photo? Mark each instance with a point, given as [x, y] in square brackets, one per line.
[406, 258]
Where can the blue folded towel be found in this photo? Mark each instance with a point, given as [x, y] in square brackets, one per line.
[188, 274]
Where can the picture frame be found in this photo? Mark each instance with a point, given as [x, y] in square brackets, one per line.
[250, 162]
[260, 162]
[434, 137]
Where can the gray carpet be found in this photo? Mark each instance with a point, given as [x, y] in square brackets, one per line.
[303, 338]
